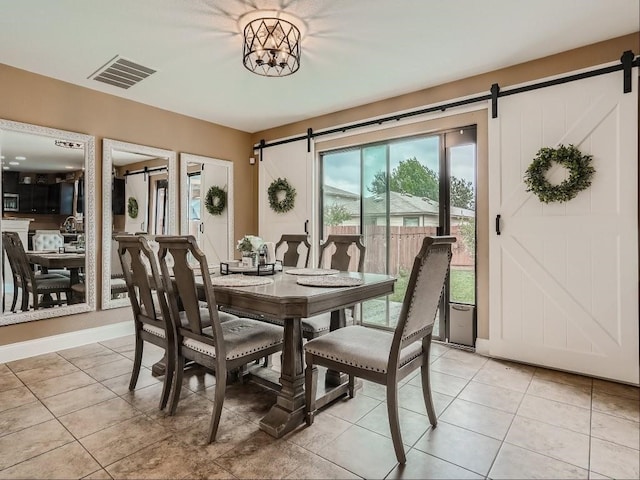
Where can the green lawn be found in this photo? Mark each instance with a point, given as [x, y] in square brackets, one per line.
[462, 286]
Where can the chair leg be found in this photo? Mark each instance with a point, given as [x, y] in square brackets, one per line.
[14, 300]
[310, 388]
[394, 422]
[137, 362]
[426, 392]
[177, 383]
[352, 386]
[169, 370]
[217, 408]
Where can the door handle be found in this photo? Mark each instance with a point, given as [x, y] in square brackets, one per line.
[201, 227]
[306, 227]
[498, 224]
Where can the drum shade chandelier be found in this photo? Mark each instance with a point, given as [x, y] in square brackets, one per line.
[271, 47]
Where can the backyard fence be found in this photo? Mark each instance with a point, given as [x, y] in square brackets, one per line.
[405, 244]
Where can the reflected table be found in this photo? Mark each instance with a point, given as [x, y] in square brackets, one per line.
[71, 261]
[284, 299]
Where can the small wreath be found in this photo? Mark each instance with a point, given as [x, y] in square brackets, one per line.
[132, 207]
[580, 173]
[286, 204]
[215, 200]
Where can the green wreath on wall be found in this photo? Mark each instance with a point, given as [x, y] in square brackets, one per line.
[216, 200]
[132, 207]
[287, 203]
[580, 173]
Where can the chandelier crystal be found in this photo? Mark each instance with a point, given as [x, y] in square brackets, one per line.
[271, 47]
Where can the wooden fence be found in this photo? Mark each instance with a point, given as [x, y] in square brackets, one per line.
[405, 244]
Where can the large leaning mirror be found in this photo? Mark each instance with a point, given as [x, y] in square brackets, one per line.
[206, 205]
[139, 186]
[48, 222]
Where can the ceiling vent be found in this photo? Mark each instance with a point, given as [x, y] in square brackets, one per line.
[122, 73]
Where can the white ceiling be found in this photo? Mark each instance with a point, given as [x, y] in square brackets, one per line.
[354, 51]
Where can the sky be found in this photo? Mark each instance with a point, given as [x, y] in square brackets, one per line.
[342, 169]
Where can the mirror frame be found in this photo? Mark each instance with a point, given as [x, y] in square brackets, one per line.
[89, 222]
[108, 145]
[185, 159]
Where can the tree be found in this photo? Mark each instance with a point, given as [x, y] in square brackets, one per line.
[410, 176]
[462, 193]
[335, 214]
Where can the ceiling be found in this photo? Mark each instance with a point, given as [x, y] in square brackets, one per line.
[353, 52]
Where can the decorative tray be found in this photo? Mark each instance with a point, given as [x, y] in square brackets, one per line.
[230, 267]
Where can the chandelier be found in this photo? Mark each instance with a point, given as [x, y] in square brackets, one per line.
[271, 47]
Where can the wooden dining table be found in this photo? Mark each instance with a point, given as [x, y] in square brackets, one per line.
[288, 301]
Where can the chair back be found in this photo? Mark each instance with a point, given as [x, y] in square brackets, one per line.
[17, 256]
[183, 291]
[146, 291]
[340, 260]
[422, 298]
[47, 240]
[291, 256]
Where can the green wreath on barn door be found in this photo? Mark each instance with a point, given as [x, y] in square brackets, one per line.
[132, 207]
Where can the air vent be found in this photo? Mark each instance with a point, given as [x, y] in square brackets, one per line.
[122, 73]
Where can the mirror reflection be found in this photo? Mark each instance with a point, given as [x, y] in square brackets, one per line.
[46, 237]
[213, 231]
[137, 184]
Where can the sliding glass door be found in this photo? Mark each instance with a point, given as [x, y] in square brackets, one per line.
[395, 193]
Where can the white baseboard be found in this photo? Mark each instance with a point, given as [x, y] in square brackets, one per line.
[39, 346]
[482, 346]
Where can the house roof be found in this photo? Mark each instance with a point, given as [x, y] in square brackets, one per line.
[402, 204]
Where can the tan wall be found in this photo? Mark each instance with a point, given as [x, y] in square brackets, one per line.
[31, 98]
[596, 54]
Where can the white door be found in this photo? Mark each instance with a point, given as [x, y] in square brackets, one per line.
[292, 162]
[214, 233]
[215, 239]
[137, 186]
[564, 276]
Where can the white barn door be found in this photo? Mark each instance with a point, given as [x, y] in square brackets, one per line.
[137, 186]
[292, 162]
[564, 276]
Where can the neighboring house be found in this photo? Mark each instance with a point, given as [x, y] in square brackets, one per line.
[337, 196]
[406, 210]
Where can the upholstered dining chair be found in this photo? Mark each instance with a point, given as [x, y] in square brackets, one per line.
[50, 240]
[388, 357]
[148, 301]
[291, 256]
[222, 346]
[29, 281]
[334, 253]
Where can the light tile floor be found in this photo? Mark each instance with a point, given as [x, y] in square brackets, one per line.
[70, 415]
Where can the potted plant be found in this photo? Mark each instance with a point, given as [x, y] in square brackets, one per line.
[248, 246]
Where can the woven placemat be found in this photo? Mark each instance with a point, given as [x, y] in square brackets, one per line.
[330, 281]
[312, 271]
[239, 281]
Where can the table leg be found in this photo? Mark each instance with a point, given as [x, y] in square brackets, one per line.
[288, 412]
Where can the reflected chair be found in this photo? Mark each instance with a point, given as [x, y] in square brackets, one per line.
[50, 240]
[388, 357]
[148, 302]
[30, 282]
[222, 346]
